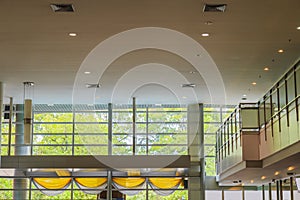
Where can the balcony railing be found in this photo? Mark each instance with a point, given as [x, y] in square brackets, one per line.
[270, 125]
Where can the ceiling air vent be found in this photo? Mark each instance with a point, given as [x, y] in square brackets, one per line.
[62, 7]
[214, 8]
[92, 85]
[188, 85]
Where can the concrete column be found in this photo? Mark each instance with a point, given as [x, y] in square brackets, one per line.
[196, 184]
[20, 184]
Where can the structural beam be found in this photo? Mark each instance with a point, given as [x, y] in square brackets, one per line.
[106, 162]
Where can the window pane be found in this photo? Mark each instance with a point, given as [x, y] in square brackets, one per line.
[298, 80]
[91, 117]
[210, 166]
[291, 88]
[261, 114]
[282, 100]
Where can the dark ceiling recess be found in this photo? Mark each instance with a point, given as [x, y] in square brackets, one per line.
[214, 8]
[62, 7]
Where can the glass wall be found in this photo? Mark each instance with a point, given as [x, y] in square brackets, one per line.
[214, 116]
[98, 129]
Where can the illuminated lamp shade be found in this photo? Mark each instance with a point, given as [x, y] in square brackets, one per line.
[28, 97]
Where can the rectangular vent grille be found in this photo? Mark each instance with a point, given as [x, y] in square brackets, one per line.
[188, 85]
[62, 7]
[214, 8]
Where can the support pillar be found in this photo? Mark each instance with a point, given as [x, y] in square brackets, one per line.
[270, 191]
[109, 129]
[280, 189]
[277, 190]
[263, 192]
[243, 193]
[109, 186]
[291, 188]
[223, 194]
[1, 108]
[20, 185]
[196, 183]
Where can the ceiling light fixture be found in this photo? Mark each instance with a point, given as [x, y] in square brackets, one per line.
[266, 69]
[298, 28]
[252, 181]
[87, 72]
[72, 34]
[280, 51]
[276, 173]
[253, 83]
[184, 97]
[263, 177]
[290, 168]
[205, 34]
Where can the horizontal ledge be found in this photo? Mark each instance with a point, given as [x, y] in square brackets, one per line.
[96, 161]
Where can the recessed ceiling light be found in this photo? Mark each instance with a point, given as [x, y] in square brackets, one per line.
[253, 83]
[72, 34]
[205, 34]
[276, 173]
[263, 177]
[192, 72]
[280, 51]
[244, 95]
[252, 181]
[298, 28]
[87, 72]
[184, 97]
[266, 68]
[290, 168]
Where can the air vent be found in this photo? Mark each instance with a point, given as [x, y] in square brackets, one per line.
[62, 7]
[92, 85]
[214, 8]
[188, 85]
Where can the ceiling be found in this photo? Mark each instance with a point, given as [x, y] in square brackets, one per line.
[36, 46]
